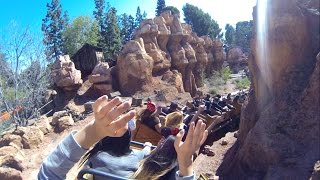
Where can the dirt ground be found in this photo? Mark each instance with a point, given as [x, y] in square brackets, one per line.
[207, 165]
[34, 157]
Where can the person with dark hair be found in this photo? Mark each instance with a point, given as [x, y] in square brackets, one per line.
[114, 155]
[207, 105]
[150, 117]
[225, 106]
[110, 120]
[215, 104]
[172, 108]
[229, 98]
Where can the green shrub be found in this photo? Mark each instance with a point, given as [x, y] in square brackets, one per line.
[243, 83]
[213, 91]
[225, 73]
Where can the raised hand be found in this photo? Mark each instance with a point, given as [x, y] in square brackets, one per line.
[110, 120]
[185, 150]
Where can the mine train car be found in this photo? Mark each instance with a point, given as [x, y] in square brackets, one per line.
[230, 119]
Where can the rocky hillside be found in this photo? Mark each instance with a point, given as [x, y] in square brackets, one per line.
[163, 44]
[279, 133]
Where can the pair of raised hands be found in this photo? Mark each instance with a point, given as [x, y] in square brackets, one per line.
[111, 119]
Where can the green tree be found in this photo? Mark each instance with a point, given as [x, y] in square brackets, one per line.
[82, 30]
[52, 27]
[201, 22]
[99, 15]
[229, 35]
[139, 17]
[173, 10]
[112, 39]
[243, 35]
[127, 26]
[160, 5]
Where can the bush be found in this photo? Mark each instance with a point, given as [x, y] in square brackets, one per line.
[213, 91]
[225, 73]
[243, 83]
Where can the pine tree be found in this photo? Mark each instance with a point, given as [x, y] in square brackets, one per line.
[139, 17]
[99, 15]
[160, 5]
[112, 39]
[230, 35]
[127, 27]
[52, 27]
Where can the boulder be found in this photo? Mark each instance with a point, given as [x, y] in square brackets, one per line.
[57, 115]
[279, 127]
[8, 173]
[101, 78]
[32, 138]
[11, 161]
[202, 60]
[134, 68]
[65, 75]
[6, 139]
[224, 142]
[63, 123]
[12, 150]
[44, 125]
[218, 54]
[20, 130]
[149, 31]
[174, 78]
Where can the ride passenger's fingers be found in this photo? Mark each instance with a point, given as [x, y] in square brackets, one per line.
[202, 133]
[117, 111]
[122, 121]
[204, 137]
[190, 134]
[197, 134]
[178, 139]
[96, 106]
[120, 132]
[108, 107]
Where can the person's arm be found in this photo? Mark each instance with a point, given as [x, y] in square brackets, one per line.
[70, 150]
[185, 150]
[62, 159]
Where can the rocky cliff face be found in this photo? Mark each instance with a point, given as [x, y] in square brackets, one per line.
[163, 44]
[64, 74]
[280, 127]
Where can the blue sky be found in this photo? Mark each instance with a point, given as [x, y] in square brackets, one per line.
[30, 12]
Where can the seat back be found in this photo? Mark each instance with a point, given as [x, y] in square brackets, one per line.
[143, 134]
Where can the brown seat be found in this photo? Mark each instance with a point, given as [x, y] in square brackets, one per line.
[143, 134]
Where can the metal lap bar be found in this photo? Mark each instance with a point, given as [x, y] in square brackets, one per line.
[99, 173]
[140, 144]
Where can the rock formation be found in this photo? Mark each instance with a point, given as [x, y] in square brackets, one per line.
[236, 59]
[101, 78]
[64, 74]
[279, 133]
[61, 120]
[162, 44]
[134, 67]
